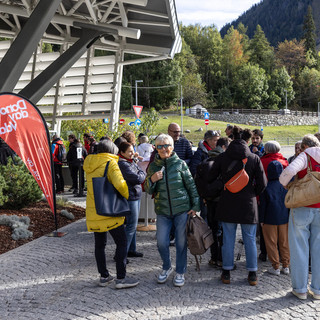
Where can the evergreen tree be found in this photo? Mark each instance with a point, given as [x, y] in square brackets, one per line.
[261, 52]
[309, 33]
[22, 189]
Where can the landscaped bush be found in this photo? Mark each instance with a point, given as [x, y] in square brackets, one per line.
[21, 188]
[19, 226]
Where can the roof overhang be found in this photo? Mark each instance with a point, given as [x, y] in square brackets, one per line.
[143, 27]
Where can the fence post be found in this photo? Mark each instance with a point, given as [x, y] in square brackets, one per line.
[288, 140]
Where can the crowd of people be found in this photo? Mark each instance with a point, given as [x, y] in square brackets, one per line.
[183, 182]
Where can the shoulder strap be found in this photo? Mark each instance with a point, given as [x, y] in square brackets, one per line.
[106, 169]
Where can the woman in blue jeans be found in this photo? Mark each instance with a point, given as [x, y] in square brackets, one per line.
[241, 207]
[304, 225]
[175, 196]
[134, 176]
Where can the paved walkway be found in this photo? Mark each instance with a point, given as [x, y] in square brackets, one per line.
[55, 278]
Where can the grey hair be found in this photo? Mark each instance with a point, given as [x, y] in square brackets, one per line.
[272, 147]
[164, 138]
[107, 146]
[144, 139]
[309, 140]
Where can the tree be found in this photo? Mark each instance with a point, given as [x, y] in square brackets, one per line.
[251, 86]
[308, 87]
[280, 86]
[206, 44]
[261, 53]
[194, 90]
[232, 56]
[309, 33]
[291, 55]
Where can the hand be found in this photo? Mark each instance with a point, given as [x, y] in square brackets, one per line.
[140, 158]
[254, 149]
[262, 224]
[156, 176]
[192, 212]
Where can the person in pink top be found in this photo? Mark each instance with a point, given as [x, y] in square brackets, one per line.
[304, 225]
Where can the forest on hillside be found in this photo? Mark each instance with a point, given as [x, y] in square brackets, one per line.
[231, 71]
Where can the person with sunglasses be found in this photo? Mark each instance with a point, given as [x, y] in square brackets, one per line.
[175, 196]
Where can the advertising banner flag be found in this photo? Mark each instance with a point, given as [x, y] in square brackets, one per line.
[24, 129]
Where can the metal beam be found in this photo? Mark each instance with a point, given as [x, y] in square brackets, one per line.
[70, 21]
[19, 53]
[38, 87]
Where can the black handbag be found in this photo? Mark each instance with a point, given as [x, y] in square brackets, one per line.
[109, 202]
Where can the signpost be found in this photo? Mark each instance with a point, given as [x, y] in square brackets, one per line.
[138, 123]
[206, 122]
[137, 110]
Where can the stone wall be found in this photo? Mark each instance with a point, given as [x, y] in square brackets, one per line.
[265, 120]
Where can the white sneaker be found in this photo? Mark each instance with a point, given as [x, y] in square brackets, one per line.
[164, 275]
[314, 295]
[301, 296]
[178, 280]
[273, 271]
[285, 271]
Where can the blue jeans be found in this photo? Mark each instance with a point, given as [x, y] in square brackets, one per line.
[131, 226]
[249, 238]
[304, 234]
[164, 225]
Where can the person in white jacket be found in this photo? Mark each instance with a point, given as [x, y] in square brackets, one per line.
[304, 225]
[145, 150]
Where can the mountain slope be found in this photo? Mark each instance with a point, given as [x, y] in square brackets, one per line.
[279, 19]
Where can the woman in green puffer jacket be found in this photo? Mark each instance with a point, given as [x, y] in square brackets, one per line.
[175, 196]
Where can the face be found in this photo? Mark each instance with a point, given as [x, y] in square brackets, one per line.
[129, 153]
[256, 140]
[228, 131]
[164, 149]
[71, 140]
[174, 131]
[297, 149]
[213, 142]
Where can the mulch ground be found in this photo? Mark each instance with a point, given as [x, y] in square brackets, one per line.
[41, 223]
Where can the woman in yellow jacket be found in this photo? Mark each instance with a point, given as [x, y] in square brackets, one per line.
[94, 166]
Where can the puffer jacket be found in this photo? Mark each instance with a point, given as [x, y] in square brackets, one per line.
[94, 166]
[176, 192]
[134, 176]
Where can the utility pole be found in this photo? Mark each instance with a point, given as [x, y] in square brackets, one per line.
[181, 108]
[137, 90]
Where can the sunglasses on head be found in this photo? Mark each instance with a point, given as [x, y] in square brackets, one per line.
[161, 146]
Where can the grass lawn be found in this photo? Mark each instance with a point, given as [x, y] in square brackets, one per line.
[285, 135]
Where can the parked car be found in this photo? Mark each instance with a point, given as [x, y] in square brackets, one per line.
[284, 111]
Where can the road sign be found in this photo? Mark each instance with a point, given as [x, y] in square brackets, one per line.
[121, 121]
[206, 115]
[138, 122]
[137, 111]
[106, 120]
[206, 122]
[131, 123]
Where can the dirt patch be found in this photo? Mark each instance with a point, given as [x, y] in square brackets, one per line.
[41, 223]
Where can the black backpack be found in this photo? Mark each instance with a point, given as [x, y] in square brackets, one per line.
[207, 189]
[62, 154]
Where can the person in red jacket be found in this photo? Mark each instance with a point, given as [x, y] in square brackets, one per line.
[86, 141]
[272, 153]
[57, 161]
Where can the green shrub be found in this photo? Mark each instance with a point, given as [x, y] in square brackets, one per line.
[22, 189]
[3, 188]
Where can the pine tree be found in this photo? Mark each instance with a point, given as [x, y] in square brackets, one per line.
[309, 33]
[261, 51]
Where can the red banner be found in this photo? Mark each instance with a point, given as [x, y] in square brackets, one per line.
[23, 128]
